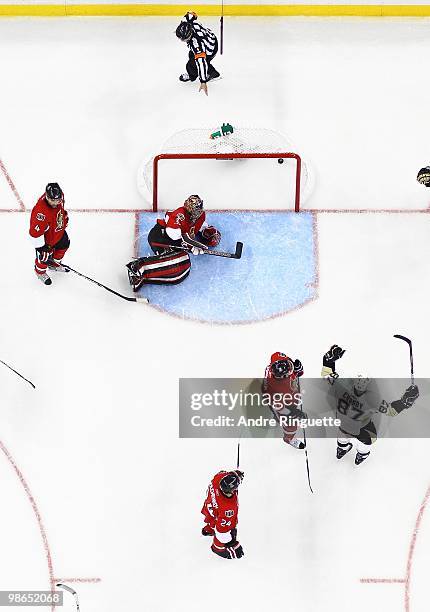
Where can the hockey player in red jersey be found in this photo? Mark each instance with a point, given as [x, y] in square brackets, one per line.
[184, 227]
[281, 383]
[220, 511]
[48, 222]
[181, 232]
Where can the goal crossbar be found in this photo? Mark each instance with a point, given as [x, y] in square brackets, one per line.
[285, 155]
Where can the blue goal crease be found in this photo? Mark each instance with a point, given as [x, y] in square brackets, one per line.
[276, 274]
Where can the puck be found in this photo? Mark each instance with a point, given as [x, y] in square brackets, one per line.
[281, 160]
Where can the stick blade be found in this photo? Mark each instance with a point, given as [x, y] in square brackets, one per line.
[400, 337]
[239, 248]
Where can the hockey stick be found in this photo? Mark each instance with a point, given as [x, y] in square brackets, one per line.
[238, 455]
[72, 591]
[411, 357]
[236, 255]
[221, 29]
[124, 297]
[20, 375]
[305, 442]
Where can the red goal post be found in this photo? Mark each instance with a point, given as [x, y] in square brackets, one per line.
[227, 156]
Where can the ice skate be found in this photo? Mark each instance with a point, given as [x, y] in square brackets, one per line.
[296, 443]
[342, 449]
[44, 278]
[360, 457]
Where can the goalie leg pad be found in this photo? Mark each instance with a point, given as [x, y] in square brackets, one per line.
[168, 269]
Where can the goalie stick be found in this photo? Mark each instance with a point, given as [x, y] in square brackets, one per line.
[71, 591]
[20, 375]
[124, 297]
[411, 356]
[236, 255]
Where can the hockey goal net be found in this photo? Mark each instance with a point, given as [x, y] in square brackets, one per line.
[191, 145]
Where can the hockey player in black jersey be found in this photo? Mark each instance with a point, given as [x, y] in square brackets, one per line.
[203, 46]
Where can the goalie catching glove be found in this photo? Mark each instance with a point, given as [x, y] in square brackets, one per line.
[210, 236]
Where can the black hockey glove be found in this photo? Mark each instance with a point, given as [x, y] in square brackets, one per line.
[296, 413]
[329, 359]
[410, 395]
[407, 400]
[43, 253]
[298, 368]
[423, 176]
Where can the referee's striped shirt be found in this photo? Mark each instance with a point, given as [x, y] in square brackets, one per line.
[203, 43]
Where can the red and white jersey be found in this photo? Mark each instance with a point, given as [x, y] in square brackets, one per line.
[47, 224]
[277, 387]
[220, 511]
[178, 223]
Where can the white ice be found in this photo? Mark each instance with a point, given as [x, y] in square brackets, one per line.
[82, 102]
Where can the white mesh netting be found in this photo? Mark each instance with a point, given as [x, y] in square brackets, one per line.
[242, 140]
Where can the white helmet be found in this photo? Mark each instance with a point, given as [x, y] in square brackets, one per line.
[361, 384]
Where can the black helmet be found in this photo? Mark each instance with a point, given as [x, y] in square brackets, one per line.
[184, 30]
[424, 176]
[53, 191]
[230, 482]
[282, 368]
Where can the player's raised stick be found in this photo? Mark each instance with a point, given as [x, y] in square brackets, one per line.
[238, 455]
[411, 356]
[20, 375]
[71, 591]
[124, 297]
[221, 29]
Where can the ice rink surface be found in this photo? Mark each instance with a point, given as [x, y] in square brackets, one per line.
[97, 489]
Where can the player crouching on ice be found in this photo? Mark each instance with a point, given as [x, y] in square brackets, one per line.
[48, 222]
[203, 46]
[357, 400]
[181, 232]
[282, 384]
[220, 510]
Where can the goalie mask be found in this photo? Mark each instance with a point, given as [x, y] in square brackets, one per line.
[194, 207]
